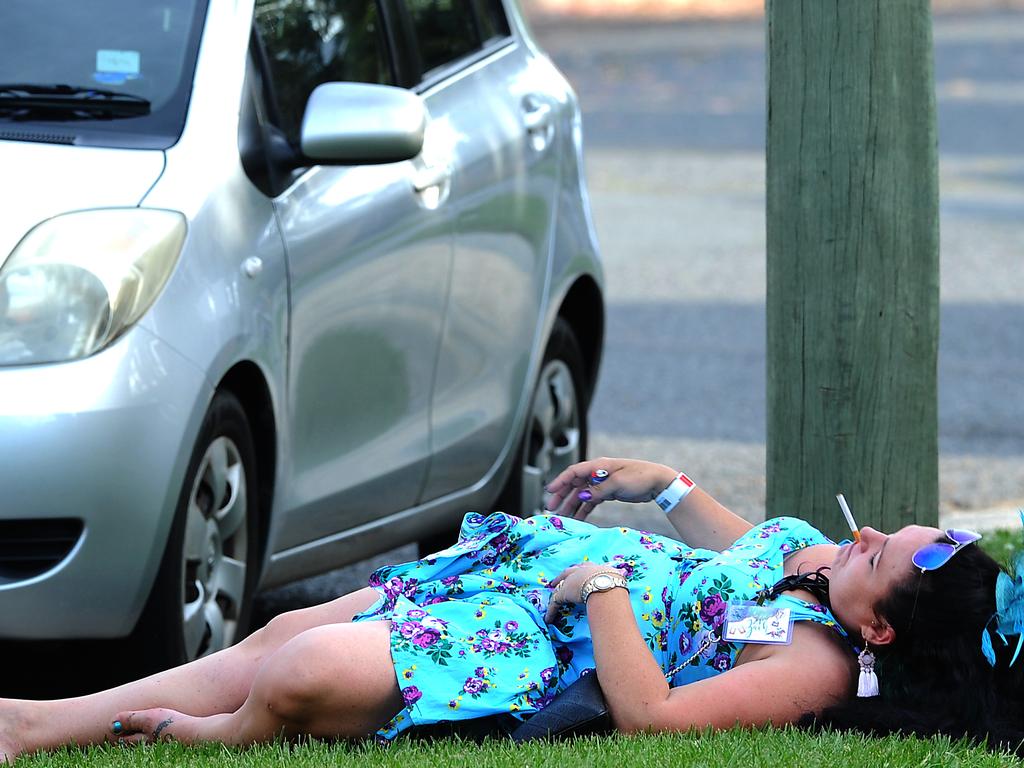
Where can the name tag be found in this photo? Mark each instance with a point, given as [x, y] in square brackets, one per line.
[747, 622]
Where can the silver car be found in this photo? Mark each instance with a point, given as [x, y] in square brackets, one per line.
[284, 284]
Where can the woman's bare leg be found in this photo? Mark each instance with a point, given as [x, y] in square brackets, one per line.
[210, 685]
[330, 681]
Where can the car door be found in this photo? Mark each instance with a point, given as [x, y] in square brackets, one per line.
[484, 84]
[369, 252]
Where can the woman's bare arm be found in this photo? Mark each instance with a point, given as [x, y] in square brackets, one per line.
[700, 520]
[703, 522]
[806, 676]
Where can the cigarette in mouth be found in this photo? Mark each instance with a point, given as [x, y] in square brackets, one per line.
[849, 516]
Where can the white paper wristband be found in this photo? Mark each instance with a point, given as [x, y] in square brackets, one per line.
[678, 490]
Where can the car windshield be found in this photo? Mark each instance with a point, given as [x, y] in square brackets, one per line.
[102, 73]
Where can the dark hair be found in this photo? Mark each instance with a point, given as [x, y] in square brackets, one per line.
[934, 678]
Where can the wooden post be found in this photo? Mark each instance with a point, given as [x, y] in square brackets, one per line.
[853, 271]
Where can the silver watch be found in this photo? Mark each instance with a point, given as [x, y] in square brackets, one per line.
[602, 582]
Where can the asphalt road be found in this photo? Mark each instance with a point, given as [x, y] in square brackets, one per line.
[684, 90]
[674, 121]
[701, 86]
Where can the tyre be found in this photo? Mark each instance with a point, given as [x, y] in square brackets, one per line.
[203, 593]
[555, 434]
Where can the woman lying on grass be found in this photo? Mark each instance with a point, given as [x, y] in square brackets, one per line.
[517, 609]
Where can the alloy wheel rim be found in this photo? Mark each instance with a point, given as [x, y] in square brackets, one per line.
[553, 441]
[216, 551]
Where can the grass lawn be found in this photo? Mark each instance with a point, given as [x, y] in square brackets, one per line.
[1002, 545]
[743, 749]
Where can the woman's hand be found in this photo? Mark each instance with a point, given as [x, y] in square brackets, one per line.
[628, 480]
[568, 584]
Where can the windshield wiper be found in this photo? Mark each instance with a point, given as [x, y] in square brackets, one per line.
[68, 102]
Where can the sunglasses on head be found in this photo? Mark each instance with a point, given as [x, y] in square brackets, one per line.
[937, 554]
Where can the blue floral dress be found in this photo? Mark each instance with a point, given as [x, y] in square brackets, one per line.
[468, 637]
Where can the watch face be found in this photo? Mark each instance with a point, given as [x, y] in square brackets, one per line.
[604, 581]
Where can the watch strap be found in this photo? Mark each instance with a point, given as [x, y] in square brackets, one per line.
[589, 587]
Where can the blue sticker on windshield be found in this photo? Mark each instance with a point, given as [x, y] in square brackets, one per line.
[109, 78]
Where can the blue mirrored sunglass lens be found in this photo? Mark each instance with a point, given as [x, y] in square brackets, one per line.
[961, 536]
[933, 556]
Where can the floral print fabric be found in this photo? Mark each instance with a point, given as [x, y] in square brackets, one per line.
[468, 637]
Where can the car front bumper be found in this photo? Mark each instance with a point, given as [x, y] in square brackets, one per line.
[104, 441]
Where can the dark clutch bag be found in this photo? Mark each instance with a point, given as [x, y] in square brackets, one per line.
[579, 710]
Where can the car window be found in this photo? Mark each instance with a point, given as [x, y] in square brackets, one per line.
[445, 30]
[493, 22]
[309, 42]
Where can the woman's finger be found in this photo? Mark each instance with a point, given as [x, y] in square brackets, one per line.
[560, 577]
[588, 498]
[583, 511]
[580, 488]
[561, 498]
[554, 603]
[571, 476]
[552, 612]
[574, 477]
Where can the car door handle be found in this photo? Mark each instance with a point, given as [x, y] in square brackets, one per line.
[430, 176]
[538, 118]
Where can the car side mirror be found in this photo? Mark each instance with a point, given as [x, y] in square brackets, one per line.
[353, 123]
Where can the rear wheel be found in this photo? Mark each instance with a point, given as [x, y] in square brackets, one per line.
[555, 435]
[556, 428]
[202, 598]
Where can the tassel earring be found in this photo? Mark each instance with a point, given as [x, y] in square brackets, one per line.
[867, 682]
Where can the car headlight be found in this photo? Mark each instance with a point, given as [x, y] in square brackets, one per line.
[78, 281]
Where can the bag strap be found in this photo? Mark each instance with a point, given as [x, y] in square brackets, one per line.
[704, 645]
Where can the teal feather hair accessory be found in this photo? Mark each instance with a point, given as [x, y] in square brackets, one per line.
[1009, 615]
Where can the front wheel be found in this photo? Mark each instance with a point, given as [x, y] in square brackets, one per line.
[202, 598]
[555, 435]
